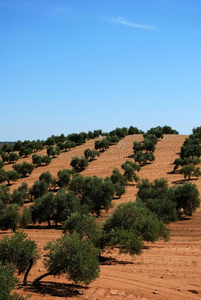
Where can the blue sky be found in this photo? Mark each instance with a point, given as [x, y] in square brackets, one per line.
[77, 65]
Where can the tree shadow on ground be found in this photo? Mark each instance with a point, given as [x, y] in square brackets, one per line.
[56, 289]
[129, 156]
[152, 246]
[172, 172]
[108, 261]
[182, 181]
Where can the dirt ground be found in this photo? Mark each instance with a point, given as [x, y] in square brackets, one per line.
[165, 270]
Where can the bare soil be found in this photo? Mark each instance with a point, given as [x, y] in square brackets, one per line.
[165, 270]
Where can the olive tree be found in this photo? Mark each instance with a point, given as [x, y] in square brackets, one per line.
[24, 169]
[20, 252]
[8, 282]
[129, 171]
[90, 154]
[79, 164]
[71, 255]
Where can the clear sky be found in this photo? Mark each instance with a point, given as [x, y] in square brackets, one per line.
[77, 65]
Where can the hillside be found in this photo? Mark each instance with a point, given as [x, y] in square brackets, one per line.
[164, 270]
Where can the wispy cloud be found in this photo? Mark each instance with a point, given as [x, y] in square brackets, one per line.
[124, 21]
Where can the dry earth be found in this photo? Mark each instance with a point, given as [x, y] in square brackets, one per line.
[167, 271]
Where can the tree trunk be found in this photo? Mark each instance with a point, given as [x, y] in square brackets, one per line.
[27, 272]
[38, 279]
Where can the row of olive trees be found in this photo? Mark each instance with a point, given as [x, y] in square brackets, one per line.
[127, 228]
[190, 156]
[89, 194]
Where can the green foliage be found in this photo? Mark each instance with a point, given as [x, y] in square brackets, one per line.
[65, 205]
[1, 164]
[43, 209]
[157, 131]
[37, 160]
[130, 225]
[168, 130]
[9, 217]
[90, 154]
[8, 147]
[94, 192]
[24, 169]
[134, 130]
[137, 146]
[38, 189]
[79, 164]
[46, 159]
[84, 225]
[50, 141]
[190, 151]
[18, 197]
[5, 195]
[102, 144]
[168, 203]
[114, 139]
[11, 175]
[144, 157]
[18, 251]
[28, 152]
[149, 145]
[119, 182]
[7, 283]
[152, 190]
[190, 170]
[26, 218]
[164, 208]
[186, 197]
[4, 157]
[20, 194]
[64, 178]
[13, 157]
[129, 171]
[78, 138]
[47, 177]
[53, 151]
[70, 255]
[69, 145]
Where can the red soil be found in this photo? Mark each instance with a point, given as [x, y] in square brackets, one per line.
[165, 270]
